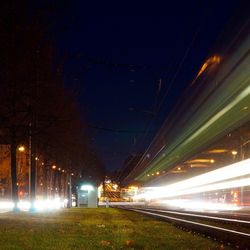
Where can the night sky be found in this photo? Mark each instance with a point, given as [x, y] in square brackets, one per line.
[131, 62]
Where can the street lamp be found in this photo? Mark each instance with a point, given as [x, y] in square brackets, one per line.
[234, 152]
[21, 148]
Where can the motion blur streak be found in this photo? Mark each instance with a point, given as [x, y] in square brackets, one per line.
[210, 61]
[199, 184]
[39, 205]
[218, 186]
[199, 205]
[245, 93]
[6, 206]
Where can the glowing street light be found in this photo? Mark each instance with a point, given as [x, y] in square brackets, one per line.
[21, 148]
[87, 188]
[234, 152]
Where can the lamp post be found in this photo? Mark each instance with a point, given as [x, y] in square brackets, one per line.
[21, 148]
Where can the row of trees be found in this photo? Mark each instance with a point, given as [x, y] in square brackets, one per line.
[36, 110]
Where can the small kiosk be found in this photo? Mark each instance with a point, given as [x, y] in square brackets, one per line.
[87, 196]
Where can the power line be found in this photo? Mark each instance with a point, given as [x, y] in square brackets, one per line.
[172, 81]
[113, 130]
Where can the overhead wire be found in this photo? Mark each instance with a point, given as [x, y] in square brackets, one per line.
[169, 87]
[227, 48]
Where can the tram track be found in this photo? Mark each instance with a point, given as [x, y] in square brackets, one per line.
[237, 234]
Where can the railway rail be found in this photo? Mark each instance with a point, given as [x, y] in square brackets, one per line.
[238, 235]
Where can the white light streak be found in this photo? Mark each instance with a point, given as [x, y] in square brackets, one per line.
[199, 205]
[39, 205]
[87, 188]
[6, 206]
[211, 181]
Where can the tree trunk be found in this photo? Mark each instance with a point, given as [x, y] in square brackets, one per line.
[46, 183]
[14, 185]
[33, 174]
[69, 190]
[60, 184]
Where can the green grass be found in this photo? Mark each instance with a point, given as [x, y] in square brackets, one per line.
[94, 229]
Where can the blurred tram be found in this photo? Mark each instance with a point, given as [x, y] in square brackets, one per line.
[200, 158]
[218, 193]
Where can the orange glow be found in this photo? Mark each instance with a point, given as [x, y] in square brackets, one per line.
[133, 187]
[201, 161]
[234, 152]
[217, 151]
[213, 60]
[178, 170]
[21, 148]
[198, 165]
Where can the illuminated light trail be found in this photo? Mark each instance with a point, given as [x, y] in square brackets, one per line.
[244, 94]
[218, 186]
[226, 107]
[211, 181]
[6, 206]
[213, 60]
[198, 165]
[199, 205]
[221, 118]
[217, 151]
[40, 205]
[201, 161]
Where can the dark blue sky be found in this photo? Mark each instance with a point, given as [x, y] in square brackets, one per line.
[150, 42]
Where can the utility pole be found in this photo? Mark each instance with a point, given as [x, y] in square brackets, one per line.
[33, 128]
